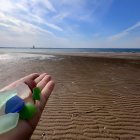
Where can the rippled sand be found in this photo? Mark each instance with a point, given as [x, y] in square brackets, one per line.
[94, 98]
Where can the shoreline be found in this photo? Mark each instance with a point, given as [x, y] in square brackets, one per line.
[97, 55]
[134, 56]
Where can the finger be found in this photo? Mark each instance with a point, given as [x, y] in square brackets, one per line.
[31, 84]
[32, 76]
[44, 81]
[29, 80]
[38, 79]
[46, 92]
[41, 104]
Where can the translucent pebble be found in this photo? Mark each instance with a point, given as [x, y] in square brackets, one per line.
[8, 122]
[14, 104]
[28, 111]
[2, 110]
[24, 92]
[36, 93]
[4, 97]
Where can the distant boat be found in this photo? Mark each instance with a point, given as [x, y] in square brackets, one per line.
[33, 47]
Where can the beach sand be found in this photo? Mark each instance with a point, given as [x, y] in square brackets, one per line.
[94, 98]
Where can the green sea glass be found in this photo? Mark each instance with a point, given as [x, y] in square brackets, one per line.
[8, 122]
[36, 93]
[4, 97]
[28, 111]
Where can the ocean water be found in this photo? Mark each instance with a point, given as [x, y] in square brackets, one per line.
[71, 50]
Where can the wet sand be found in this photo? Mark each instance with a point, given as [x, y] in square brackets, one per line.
[94, 98]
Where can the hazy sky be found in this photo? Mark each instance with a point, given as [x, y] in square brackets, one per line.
[70, 23]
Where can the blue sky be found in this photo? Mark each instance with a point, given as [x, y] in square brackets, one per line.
[70, 23]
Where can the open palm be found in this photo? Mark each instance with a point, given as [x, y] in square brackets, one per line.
[25, 128]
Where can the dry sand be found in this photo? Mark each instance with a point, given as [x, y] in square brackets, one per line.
[94, 98]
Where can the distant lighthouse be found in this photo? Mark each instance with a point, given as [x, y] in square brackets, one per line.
[33, 47]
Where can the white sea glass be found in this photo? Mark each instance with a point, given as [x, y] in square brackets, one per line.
[24, 92]
[8, 122]
[4, 97]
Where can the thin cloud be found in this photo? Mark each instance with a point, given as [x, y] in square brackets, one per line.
[20, 26]
[82, 9]
[124, 33]
[61, 16]
[49, 5]
[26, 11]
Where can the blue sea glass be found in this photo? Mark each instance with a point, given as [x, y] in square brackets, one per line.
[8, 122]
[13, 105]
[4, 97]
